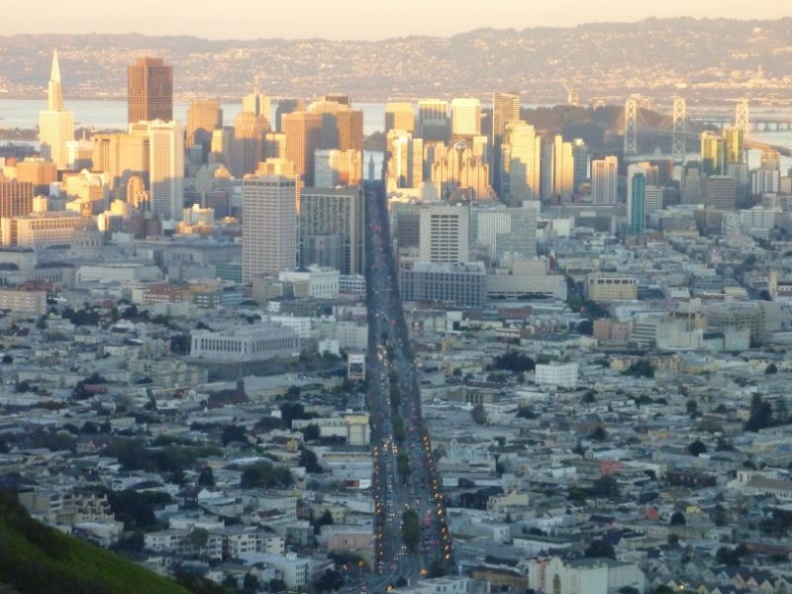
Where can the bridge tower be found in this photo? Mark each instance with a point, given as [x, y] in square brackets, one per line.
[631, 126]
[678, 144]
[742, 116]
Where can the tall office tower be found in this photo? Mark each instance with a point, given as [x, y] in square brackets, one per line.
[222, 140]
[204, 116]
[333, 218]
[40, 172]
[303, 132]
[735, 145]
[690, 186]
[166, 166]
[636, 199]
[56, 125]
[78, 154]
[522, 163]
[605, 180]
[507, 233]
[150, 90]
[432, 123]
[284, 107]
[340, 99]
[405, 165]
[580, 156]
[326, 106]
[563, 180]
[121, 156]
[465, 117]
[349, 126]
[767, 179]
[258, 103]
[399, 116]
[136, 193]
[246, 147]
[285, 168]
[337, 168]
[269, 225]
[274, 145]
[505, 109]
[444, 233]
[462, 166]
[720, 192]
[16, 198]
[713, 153]
[771, 160]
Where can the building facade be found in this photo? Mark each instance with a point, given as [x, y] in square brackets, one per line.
[269, 225]
[149, 90]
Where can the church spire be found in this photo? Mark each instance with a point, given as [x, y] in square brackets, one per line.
[55, 90]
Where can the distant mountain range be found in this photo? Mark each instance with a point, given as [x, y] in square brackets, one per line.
[705, 60]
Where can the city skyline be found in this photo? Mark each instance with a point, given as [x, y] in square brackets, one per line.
[362, 21]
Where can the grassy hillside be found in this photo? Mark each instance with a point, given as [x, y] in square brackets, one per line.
[35, 559]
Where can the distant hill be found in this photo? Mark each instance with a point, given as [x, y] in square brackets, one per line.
[705, 60]
[35, 559]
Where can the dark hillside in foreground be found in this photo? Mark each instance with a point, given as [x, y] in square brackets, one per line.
[35, 559]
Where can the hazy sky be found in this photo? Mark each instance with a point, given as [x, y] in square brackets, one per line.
[350, 19]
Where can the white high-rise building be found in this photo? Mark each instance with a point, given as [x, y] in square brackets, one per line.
[563, 168]
[507, 233]
[269, 225]
[444, 233]
[605, 180]
[522, 162]
[56, 125]
[166, 166]
[465, 117]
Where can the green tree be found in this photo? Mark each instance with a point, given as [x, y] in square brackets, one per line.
[329, 581]
[326, 519]
[311, 432]
[599, 433]
[206, 477]
[727, 556]
[136, 510]
[403, 466]
[640, 368]
[399, 433]
[677, 519]
[263, 474]
[436, 569]
[718, 515]
[250, 583]
[232, 433]
[600, 548]
[781, 411]
[692, 408]
[411, 530]
[605, 486]
[199, 537]
[479, 415]
[309, 461]
[697, 447]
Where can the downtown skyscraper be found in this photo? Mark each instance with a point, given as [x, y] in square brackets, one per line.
[269, 225]
[149, 90]
[56, 125]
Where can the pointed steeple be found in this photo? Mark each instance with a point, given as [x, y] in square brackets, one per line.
[55, 72]
[55, 90]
